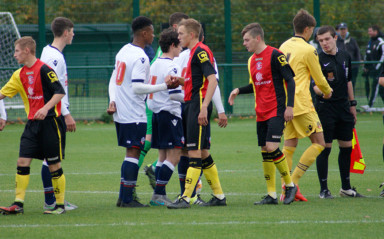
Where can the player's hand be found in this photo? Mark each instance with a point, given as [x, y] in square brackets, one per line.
[203, 119]
[2, 124]
[232, 96]
[352, 109]
[288, 114]
[40, 114]
[328, 96]
[70, 122]
[112, 108]
[223, 120]
[172, 82]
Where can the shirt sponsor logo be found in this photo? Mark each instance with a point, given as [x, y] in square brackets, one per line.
[282, 60]
[259, 65]
[259, 76]
[30, 91]
[203, 56]
[29, 73]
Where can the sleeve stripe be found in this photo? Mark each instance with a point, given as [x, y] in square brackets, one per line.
[137, 80]
[174, 91]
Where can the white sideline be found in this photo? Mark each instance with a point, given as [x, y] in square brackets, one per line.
[194, 223]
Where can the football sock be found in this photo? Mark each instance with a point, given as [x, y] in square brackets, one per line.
[130, 169]
[322, 168]
[143, 153]
[157, 169]
[212, 176]
[269, 173]
[192, 176]
[288, 152]
[58, 182]
[281, 164]
[194, 191]
[182, 168]
[154, 164]
[165, 173]
[344, 167]
[22, 181]
[306, 160]
[46, 177]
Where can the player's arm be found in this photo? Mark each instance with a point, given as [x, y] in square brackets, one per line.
[139, 87]
[381, 60]
[203, 115]
[351, 96]
[317, 75]
[3, 113]
[216, 98]
[281, 63]
[112, 93]
[50, 78]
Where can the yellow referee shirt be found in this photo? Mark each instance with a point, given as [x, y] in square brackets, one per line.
[304, 61]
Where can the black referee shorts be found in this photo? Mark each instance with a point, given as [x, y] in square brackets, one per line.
[197, 137]
[42, 139]
[336, 119]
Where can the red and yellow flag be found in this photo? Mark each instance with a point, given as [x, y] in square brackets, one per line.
[357, 160]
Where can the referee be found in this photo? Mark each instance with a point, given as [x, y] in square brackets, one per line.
[337, 114]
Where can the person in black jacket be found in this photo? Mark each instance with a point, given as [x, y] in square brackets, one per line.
[352, 48]
[337, 114]
[374, 52]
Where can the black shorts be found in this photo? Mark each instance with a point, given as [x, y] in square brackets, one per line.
[197, 137]
[42, 139]
[131, 135]
[63, 135]
[167, 131]
[337, 120]
[270, 130]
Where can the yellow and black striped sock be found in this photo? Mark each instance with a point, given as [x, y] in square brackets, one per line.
[269, 174]
[58, 182]
[288, 153]
[306, 160]
[22, 181]
[212, 176]
[281, 164]
[192, 177]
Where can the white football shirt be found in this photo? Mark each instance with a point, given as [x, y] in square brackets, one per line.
[159, 101]
[131, 65]
[55, 59]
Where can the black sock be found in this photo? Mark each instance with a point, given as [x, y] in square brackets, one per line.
[322, 168]
[344, 167]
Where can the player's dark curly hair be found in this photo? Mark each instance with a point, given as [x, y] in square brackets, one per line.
[140, 23]
[167, 38]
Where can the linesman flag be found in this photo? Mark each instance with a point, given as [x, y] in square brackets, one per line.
[357, 160]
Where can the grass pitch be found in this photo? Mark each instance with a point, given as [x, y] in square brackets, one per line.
[92, 171]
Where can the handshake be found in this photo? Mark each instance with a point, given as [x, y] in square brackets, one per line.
[173, 82]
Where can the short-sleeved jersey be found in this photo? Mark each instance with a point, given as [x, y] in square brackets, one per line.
[55, 59]
[266, 73]
[304, 61]
[36, 86]
[338, 71]
[159, 101]
[182, 61]
[200, 65]
[132, 65]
